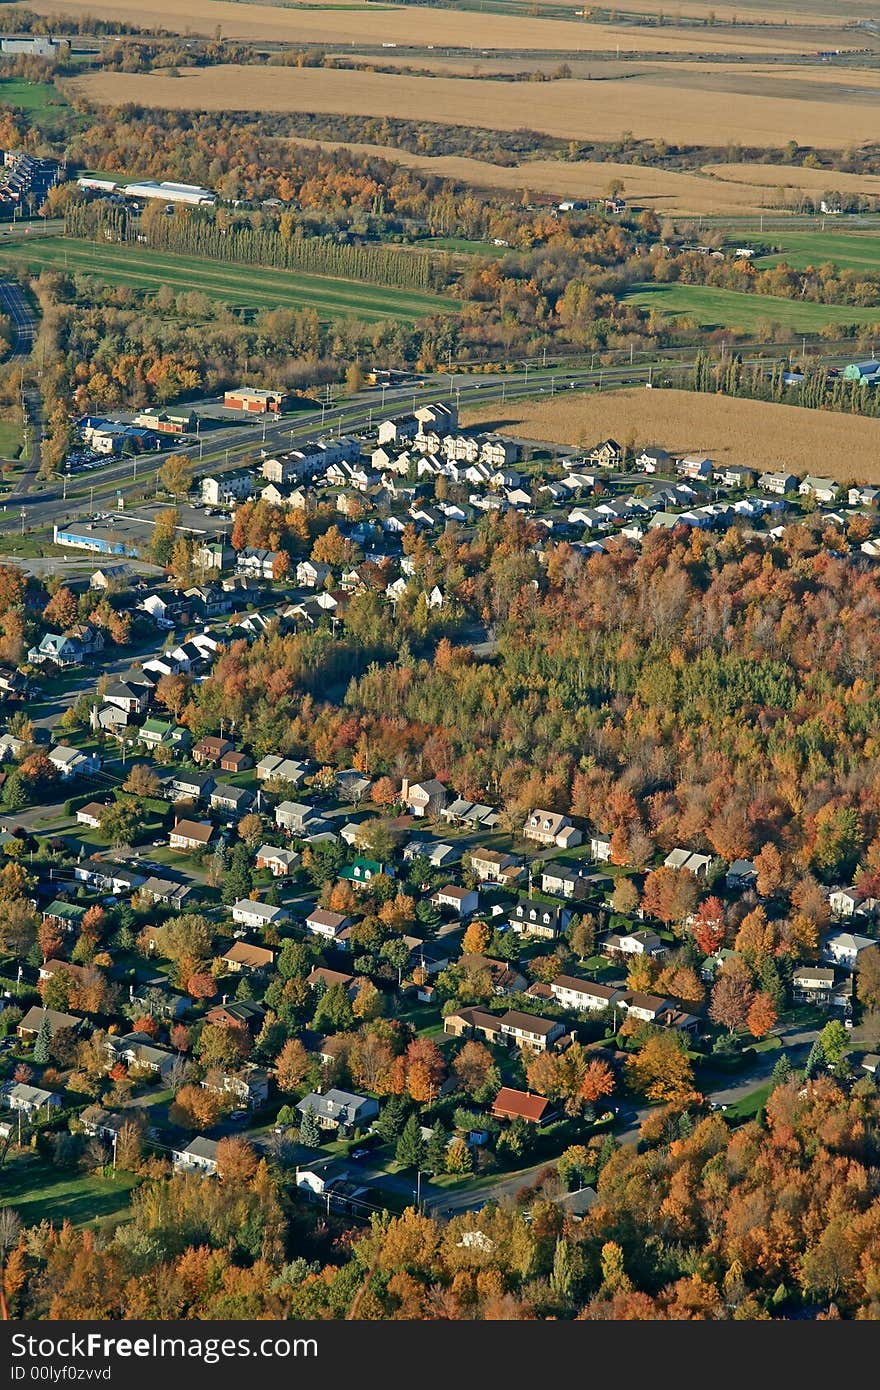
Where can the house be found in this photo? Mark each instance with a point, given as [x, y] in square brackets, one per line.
[532, 917]
[255, 914]
[235, 762]
[342, 1111]
[249, 1087]
[653, 460]
[438, 854]
[647, 1008]
[637, 943]
[510, 1104]
[221, 490]
[696, 864]
[30, 1100]
[73, 762]
[515, 1026]
[242, 1013]
[91, 813]
[323, 978]
[823, 489]
[505, 978]
[736, 475]
[849, 902]
[565, 881]
[423, 799]
[281, 863]
[607, 454]
[531, 1031]
[297, 817]
[778, 483]
[312, 574]
[131, 696]
[139, 1051]
[99, 1123]
[600, 848]
[696, 467]
[330, 925]
[245, 959]
[199, 1156]
[361, 871]
[160, 731]
[844, 948]
[235, 801]
[571, 992]
[191, 835]
[462, 901]
[741, 875]
[399, 430]
[551, 828]
[69, 649]
[812, 985]
[67, 917]
[168, 891]
[287, 770]
[191, 786]
[210, 750]
[491, 866]
[29, 1026]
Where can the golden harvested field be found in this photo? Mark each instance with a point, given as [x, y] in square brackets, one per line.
[731, 431]
[665, 190]
[773, 176]
[567, 109]
[374, 25]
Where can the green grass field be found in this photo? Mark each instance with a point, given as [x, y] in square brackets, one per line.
[711, 308]
[38, 1191]
[239, 285]
[849, 250]
[10, 440]
[30, 96]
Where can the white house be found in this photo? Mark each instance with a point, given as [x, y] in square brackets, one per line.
[253, 914]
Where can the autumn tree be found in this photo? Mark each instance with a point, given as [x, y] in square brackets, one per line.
[141, 780]
[669, 894]
[708, 926]
[175, 475]
[661, 1070]
[292, 1065]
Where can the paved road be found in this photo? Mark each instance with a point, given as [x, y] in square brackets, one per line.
[13, 303]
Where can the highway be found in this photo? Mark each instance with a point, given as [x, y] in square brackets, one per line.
[39, 504]
[233, 445]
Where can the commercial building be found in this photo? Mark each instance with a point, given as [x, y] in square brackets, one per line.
[188, 193]
[256, 402]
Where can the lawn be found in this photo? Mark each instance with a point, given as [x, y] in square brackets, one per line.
[30, 96]
[10, 439]
[851, 250]
[748, 1107]
[238, 285]
[712, 308]
[38, 1192]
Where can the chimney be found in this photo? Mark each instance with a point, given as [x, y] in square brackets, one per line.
[404, 789]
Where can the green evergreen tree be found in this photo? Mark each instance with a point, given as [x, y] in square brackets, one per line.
[309, 1130]
[435, 1151]
[392, 1119]
[782, 1071]
[43, 1039]
[410, 1149]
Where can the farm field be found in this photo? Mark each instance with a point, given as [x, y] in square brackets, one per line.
[717, 308]
[666, 190]
[419, 27]
[232, 284]
[800, 249]
[729, 430]
[568, 109]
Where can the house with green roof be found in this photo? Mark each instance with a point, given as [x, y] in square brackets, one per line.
[64, 916]
[156, 731]
[361, 871]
